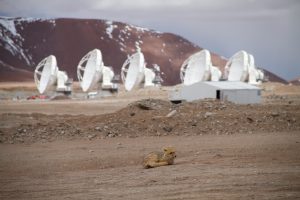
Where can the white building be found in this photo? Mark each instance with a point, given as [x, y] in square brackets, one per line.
[234, 91]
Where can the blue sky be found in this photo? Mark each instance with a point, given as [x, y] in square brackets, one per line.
[268, 29]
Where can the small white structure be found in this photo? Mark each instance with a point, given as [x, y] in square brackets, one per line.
[135, 74]
[47, 75]
[198, 67]
[92, 73]
[234, 91]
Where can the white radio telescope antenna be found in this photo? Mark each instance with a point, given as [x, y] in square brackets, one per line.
[47, 74]
[237, 67]
[241, 67]
[91, 71]
[198, 67]
[134, 72]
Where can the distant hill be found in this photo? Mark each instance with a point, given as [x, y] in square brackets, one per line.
[295, 81]
[24, 42]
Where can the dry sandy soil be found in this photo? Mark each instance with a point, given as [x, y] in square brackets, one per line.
[93, 149]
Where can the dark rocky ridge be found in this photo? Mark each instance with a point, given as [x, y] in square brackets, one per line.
[295, 81]
[24, 42]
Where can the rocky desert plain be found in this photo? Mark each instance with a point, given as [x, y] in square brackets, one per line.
[78, 148]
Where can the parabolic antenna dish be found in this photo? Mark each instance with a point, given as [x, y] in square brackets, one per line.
[133, 71]
[238, 66]
[45, 73]
[89, 69]
[196, 68]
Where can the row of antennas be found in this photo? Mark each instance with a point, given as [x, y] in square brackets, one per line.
[240, 67]
[92, 72]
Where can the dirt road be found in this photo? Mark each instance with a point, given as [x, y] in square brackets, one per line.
[257, 166]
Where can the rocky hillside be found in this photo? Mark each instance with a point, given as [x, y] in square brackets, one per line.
[154, 117]
[24, 42]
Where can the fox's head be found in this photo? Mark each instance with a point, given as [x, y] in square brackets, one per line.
[169, 154]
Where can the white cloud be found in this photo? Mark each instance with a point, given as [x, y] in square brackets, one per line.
[140, 4]
[145, 8]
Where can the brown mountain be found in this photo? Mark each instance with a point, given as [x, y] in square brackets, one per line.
[295, 81]
[24, 42]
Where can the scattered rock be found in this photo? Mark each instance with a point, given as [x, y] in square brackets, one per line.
[98, 128]
[167, 128]
[218, 156]
[146, 106]
[249, 119]
[223, 107]
[111, 135]
[208, 114]
[91, 136]
[274, 114]
[171, 114]
[132, 114]
[151, 104]
[291, 120]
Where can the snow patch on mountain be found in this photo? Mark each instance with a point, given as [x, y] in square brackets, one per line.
[110, 28]
[12, 41]
[137, 46]
[9, 24]
[18, 21]
[14, 48]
